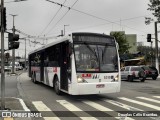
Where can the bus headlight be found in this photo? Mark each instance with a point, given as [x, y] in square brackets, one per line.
[115, 79]
[81, 80]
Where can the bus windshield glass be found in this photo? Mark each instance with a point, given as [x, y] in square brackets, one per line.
[95, 56]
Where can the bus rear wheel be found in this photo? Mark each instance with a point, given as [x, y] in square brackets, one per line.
[130, 78]
[56, 86]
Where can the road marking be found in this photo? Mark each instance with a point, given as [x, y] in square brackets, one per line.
[103, 109]
[149, 99]
[157, 96]
[23, 104]
[119, 104]
[97, 106]
[72, 107]
[123, 105]
[40, 106]
[8, 119]
[140, 103]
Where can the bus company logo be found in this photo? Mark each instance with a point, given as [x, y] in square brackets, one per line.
[86, 75]
[95, 76]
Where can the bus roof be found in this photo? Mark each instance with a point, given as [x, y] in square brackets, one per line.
[56, 41]
[64, 38]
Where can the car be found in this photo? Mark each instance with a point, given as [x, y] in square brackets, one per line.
[17, 66]
[150, 72]
[7, 67]
[131, 73]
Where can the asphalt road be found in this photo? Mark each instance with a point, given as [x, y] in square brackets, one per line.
[134, 96]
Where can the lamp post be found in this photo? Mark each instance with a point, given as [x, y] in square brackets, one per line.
[64, 28]
[13, 51]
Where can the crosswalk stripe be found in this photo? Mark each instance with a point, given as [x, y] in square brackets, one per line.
[102, 108]
[8, 118]
[140, 103]
[149, 99]
[72, 107]
[119, 104]
[157, 96]
[97, 106]
[40, 106]
[68, 105]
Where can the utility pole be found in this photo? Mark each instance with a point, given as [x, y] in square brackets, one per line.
[156, 46]
[25, 55]
[13, 51]
[2, 59]
[152, 53]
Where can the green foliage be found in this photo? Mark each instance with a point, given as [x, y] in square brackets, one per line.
[147, 51]
[121, 39]
[154, 6]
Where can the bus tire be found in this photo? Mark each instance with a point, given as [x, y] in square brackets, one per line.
[56, 86]
[130, 78]
[143, 80]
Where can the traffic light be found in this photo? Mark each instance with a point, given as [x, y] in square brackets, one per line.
[4, 19]
[13, 41]
[148, 37]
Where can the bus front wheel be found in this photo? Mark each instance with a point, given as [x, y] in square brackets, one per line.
[56, 86]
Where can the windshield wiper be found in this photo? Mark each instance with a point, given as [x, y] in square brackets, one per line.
[104, 51]
[91, 50]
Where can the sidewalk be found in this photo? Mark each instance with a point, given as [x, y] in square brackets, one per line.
[15, 107]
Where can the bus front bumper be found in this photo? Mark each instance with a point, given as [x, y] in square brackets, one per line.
[95, 88]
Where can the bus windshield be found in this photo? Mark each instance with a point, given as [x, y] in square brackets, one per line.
[96, 57]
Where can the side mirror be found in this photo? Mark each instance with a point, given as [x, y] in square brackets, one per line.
[117, 45]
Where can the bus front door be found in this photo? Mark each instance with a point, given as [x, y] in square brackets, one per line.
[64, 66]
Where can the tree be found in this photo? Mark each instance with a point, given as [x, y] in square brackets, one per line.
[121, 39]
[154, 6]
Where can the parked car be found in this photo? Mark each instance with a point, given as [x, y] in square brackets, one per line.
[7, 67]
[131, 73]
[17, 66]
[150, 71]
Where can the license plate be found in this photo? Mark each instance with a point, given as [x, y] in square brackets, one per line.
[100, 86]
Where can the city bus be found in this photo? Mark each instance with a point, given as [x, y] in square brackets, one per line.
[78, 64]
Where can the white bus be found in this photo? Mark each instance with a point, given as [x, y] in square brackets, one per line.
[78, 64]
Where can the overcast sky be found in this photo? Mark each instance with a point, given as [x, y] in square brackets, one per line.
[100, 16]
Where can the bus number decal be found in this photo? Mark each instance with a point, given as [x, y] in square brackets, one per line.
[108, 77]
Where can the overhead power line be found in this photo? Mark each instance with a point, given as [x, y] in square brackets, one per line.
[62, 5]
[88, 14]
[34, 37]
[15, 1]
[53, 18]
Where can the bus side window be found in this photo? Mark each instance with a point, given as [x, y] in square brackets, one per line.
[53, 64]
[45, 63]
